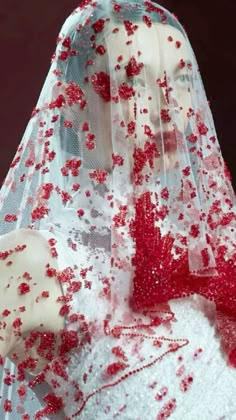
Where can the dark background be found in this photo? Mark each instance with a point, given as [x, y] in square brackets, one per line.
[28, 31]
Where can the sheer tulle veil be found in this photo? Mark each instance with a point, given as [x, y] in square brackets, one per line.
[121, 164]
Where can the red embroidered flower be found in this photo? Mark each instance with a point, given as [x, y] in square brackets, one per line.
[150, 7]
[115, 367]
[66, 42]
[194, 231]
[68, 124]
[98, 25]
[117, 160]
[100, 49]
[202, 128]
[50, 155]
[57, 103]
[73, 164]
[54, 118]
[64, 310]
[148, 131]
[165, 115]
[5, 312]
[99, 175]
[101, 85]
[181, 63]
[133, 68]
[19, 248]
[90, 141]
[163, 82]
[116, 7]
[75, 186]
[212, 139]
[119, 352]
[126, 91]
[190, 112]
[185, 383]
[10, 217]
[54, 404]
[65, 197]
[52, 241]
[17, 323]
[192, 138]
[131, 127]
[162, 393]
[69, 340]
[85, 126]
[74, 287]
[26, 276]
[119, 218]
[74, 93]
[165, 193]
[162, 212]
[39, 212]
[46, 190]
[7, 406]
[130, 27]
[151, 152]
[21, 391]
[65, 275]
[23, 288]
[186, 171]
[167, 409]
[147, 20]
[50, 272]
[227, 218]
[63, 55]
[80, 212]
[49, 132]
[25, 417]
[15, 161]
[73, 318]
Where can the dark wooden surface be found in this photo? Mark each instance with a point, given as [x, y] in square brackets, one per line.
[28, 30]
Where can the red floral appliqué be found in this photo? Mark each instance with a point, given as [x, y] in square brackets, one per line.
[126, 91]
[133, 68]
[101, 85]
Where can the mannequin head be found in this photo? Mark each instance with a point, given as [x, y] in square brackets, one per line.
[155, 62]
[144, 84]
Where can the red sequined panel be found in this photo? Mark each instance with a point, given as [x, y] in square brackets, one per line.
[160, 275]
